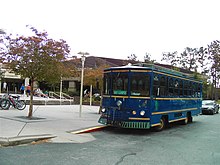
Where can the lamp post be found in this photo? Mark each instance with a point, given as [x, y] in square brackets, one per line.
[83, 58]
[61, 88]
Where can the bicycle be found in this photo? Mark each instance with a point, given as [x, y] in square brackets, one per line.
[15, 101]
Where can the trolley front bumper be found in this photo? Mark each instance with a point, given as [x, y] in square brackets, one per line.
[125, 124]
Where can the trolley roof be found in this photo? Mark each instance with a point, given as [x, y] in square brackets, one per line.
[153, 67]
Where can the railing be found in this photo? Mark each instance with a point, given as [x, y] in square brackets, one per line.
[53, 95]
[62, 96]
[66, 96]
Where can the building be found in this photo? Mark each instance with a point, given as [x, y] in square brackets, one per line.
[71, 84]
[13, 82]
[10, 82]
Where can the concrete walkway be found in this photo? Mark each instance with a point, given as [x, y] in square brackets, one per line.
[49, 121]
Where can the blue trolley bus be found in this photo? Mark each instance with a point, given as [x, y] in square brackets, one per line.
[144, 96]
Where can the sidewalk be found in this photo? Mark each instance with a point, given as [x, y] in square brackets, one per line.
[49, 121]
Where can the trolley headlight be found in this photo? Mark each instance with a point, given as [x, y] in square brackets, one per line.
[142, 113]
[134, 112]
[103, 110]
[119, 103]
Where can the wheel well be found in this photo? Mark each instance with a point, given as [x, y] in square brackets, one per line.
[166, 118]
[189, 114]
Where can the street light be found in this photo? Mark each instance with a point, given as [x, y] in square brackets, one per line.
[61, 88]
[83, 58]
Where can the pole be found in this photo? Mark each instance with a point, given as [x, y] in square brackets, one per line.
[81, 88]
[83, 58]
[61, 85]
[90, 95]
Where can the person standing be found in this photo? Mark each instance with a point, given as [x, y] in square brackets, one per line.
[28, 90]
[22, 89]
[4, 86]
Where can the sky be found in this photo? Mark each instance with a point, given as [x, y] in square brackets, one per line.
[117, 28]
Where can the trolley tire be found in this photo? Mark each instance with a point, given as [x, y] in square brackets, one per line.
[185, 121]
[162, 124]
[5, 104]
[190, 119]
[20, 105]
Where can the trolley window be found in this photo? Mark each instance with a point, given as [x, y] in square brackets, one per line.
[140, 84]
[156, 84]
[120, 83]
[107, 84]
[163, 84]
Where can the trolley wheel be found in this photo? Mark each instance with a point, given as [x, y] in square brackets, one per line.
[188, 119]
[162, 124]
[185, 121]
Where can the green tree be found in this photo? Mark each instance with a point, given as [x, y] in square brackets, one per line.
[170, 58]
[214, 56]
[203, 59]
[2, 31]
[147, 58]
[188, 58]
[37, 57]
[94, 76]
[132, 57]
[1, 48]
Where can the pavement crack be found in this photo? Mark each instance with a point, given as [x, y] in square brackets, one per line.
[26, 122]
[35, 110]
[123, 157]
[22, 128]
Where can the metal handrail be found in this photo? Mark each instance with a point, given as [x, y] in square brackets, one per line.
[67, 96]
[63, 95]
[51, 94]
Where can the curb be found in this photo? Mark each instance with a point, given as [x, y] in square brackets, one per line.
[90, 129]
[17, 140]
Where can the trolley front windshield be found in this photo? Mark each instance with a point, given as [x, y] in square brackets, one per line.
[126, 83]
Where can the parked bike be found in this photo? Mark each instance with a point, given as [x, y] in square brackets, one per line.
[9, 100]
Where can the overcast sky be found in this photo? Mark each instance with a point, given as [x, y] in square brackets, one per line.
[118, 28]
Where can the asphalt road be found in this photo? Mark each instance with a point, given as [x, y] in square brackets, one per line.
[192, 144]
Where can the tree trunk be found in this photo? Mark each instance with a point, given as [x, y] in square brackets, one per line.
[30, 114]
[212, 89]
[215, 87]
